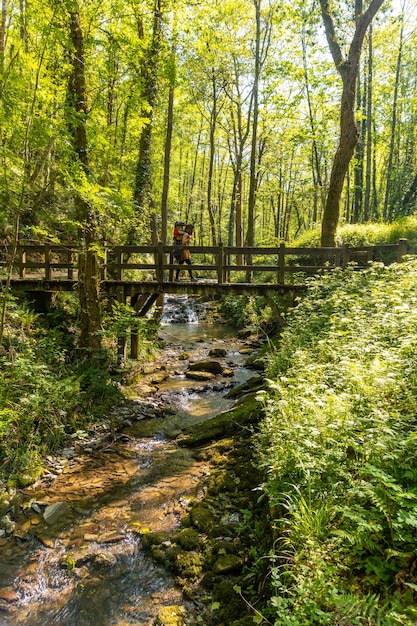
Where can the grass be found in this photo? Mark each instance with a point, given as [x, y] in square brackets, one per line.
[49, 392]
[338, 447]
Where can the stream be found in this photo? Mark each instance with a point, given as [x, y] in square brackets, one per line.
[75, 556]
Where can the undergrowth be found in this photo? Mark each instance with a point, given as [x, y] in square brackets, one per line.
[49, 391]
[339, 445]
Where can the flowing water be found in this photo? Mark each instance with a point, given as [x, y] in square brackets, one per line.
[75, 558]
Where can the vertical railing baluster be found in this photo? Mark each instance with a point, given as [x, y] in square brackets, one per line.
[220, 264]
[402, 249]
[47, 262]
[281, 264]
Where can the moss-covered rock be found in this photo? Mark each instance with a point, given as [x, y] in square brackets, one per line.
[170, 616]
[227, 563]
[152, 539]
[203, 518]
[189, 565]
[223, 425]
[214, 367]
[188, 539]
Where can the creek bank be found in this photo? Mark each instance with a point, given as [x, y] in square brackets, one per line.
[216, 554]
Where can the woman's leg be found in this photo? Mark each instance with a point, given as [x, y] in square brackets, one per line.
[190, 271]
[177, 275]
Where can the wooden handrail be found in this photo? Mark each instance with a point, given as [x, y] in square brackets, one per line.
[59, 262]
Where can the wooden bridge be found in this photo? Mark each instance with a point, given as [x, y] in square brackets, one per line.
[131, 271]
[140, 275]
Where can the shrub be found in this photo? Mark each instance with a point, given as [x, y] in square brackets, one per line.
[338, 446]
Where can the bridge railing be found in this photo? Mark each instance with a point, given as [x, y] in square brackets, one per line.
[222, 263]
[46, 261]
[231, 264]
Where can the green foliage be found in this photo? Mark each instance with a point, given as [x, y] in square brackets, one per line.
[367, 234]
[339, 448]
[46, 392]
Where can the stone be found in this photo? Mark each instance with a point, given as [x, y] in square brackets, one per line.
[8, 594]
[218, 352]
[196, 375]
[53, 512]
[7, 524]
[227, 563]
[214, 367]
[170, 616]
[105, 559]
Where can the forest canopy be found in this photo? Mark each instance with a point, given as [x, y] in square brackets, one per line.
[224, 113]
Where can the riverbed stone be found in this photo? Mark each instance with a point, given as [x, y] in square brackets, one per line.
[105, 559]
[4, 502]
[54, 511]
[7, 524]
[249, 411]
[197, 375]
[215, 367]
[218, 352]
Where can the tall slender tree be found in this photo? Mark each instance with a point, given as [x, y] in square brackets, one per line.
[143, 178]
[88, 283]
[348, 68]
[388, 207]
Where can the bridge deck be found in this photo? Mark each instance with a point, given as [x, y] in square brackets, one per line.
[129, 288]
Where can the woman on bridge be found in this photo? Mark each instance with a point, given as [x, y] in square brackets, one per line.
[185, 254]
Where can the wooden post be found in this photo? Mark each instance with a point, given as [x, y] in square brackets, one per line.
[70, 271]
[171, 269]
[402, 250]
[134, 344]
[121, 341]
[159, 262]
[345, 256]
[119, 261]
[104, 268]
[22, 263]
[281, 264]
[220, 264]
[47, 262]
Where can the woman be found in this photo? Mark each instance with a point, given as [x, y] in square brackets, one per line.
[186, 255]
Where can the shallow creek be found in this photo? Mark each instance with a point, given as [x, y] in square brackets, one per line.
[75, 557]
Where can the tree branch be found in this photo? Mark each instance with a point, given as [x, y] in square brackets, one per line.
[331, 34]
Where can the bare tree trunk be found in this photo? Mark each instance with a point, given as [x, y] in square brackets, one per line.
[213, 123]
[88, 281]
[359, 159]
[240, 137]
[250, 233]
[388, 208]
[369, 110]
[143, 179]
[348, 69]
[3, 30]
[168, 142]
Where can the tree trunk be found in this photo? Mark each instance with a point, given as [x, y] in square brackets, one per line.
[388, 208]
[168, 144]
[213, 123]
[369, 110]
[348, 69]
[359, 160]
[250, 233]
[3, 30]
[143, 179]
[88, 282]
